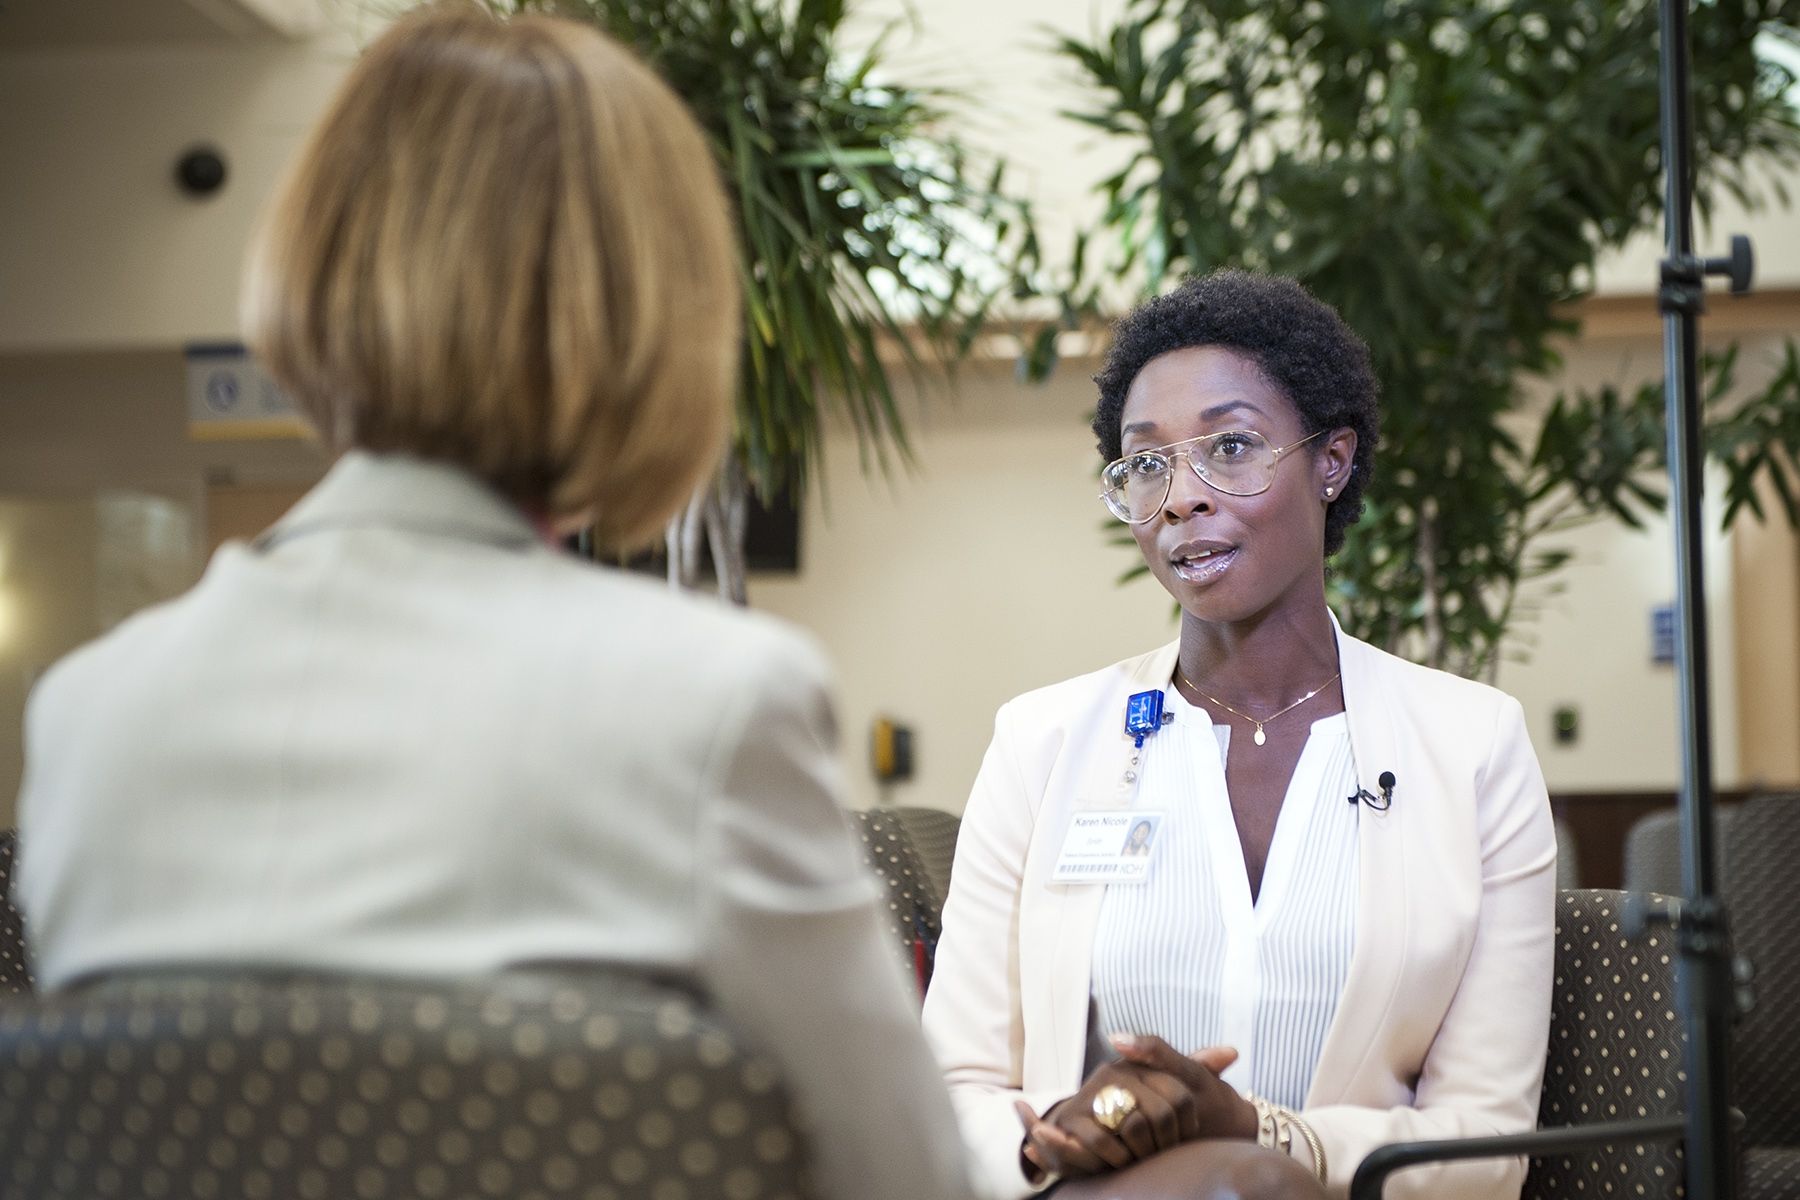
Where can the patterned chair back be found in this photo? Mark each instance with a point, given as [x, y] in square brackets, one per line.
[1616, 1045]
[1653, 849]
[1653, 854]
[1568, 865]
[15, 976]
[316, 1088]
[933, 832]
[1763, 847]
[914, 907]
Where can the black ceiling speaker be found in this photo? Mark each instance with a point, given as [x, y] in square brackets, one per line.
[200, 171]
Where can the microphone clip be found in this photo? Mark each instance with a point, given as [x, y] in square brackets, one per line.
[1382, 802]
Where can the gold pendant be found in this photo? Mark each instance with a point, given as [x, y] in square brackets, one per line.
[1260, 739]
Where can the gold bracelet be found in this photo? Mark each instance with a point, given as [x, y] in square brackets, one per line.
[1266, 1131]
[1275, 1126]
[1314, 1147]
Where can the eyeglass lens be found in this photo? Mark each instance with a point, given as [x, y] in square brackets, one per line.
[1239, 463]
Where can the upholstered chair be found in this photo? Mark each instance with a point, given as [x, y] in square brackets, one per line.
[1615, 1054]
[15, 975]
[933, 832]
[1763, 847]
[527, 1087]
[1653, 850]
[913, 904]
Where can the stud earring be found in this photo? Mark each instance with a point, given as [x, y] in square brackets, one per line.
[1329, 492]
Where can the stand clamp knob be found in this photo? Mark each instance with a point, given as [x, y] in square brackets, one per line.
[1739, 266]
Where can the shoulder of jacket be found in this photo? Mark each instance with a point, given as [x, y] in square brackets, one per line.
[1428, 690]
[100, 660]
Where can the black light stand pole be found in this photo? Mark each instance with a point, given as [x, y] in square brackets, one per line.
[1705, 979]
[1700, 924]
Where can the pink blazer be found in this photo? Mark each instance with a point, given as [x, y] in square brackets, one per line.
[1442, 1026]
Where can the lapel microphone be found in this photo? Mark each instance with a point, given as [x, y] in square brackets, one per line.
[1379, 803]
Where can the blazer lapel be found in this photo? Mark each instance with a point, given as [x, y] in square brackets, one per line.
[1107, 779]
[1069, 913]
[1382, 906]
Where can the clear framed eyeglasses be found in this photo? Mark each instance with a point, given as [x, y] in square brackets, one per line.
[1238, 462]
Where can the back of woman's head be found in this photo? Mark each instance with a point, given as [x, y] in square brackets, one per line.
[506, 247]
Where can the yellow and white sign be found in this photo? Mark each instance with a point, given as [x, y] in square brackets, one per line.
[230, 396]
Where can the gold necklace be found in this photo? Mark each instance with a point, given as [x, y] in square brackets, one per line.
[1260, 739]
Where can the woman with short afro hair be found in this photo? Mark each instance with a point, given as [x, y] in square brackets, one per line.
[1342, 932]
[1299, 344]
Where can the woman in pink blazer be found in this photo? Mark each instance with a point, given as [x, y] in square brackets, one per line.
[1342, 934]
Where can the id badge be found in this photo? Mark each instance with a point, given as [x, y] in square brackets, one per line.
[1108, 846]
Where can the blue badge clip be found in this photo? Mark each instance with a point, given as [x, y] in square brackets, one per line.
[1144, 714]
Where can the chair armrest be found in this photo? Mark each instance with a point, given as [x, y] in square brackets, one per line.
[1383, 1161]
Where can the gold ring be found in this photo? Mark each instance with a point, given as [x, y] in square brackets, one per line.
[1112, 1104]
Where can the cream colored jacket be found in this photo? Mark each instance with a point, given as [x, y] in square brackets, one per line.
[1442, 1026]
[399, 734]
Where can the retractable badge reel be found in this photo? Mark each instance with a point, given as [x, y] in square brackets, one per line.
[1143, 716]
[1110, 843]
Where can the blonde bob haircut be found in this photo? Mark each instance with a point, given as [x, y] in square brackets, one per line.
[506, 247]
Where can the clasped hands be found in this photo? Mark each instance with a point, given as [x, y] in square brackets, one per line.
[1178, 1098]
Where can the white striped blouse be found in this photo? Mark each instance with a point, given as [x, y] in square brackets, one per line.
[1187, 956]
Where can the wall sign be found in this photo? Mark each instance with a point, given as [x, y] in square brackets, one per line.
[230, 396]
[1662, 634]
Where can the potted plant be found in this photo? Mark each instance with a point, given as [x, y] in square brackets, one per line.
[1446, 173]
[870, 238]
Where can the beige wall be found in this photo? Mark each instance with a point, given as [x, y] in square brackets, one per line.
[99, 248]
[75, 424]
[1591, 649]
[1767, 614]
